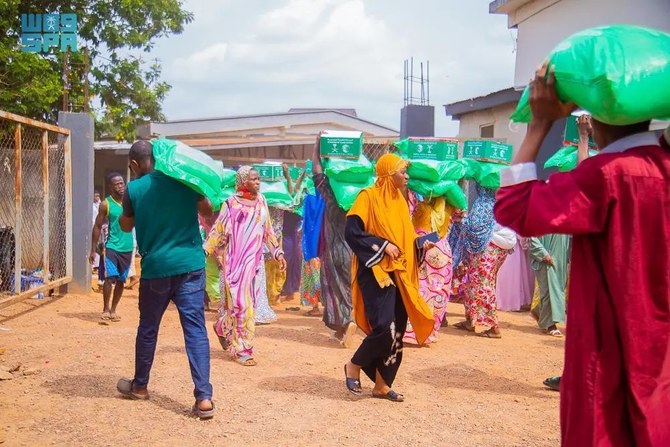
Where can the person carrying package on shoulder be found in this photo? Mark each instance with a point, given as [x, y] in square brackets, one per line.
[164, 213]
[615, 389]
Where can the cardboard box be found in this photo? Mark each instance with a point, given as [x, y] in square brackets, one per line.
[341, 144]
[439, 149]
[270, 172]
[571, 134]
[491, 151]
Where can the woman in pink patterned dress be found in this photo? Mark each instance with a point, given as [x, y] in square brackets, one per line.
[237, 237]
[435, 273]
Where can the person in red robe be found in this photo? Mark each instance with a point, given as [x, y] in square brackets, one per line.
[615, 389]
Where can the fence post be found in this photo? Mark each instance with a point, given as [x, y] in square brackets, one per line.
[45, 191]
[18, 236]
[79, 197]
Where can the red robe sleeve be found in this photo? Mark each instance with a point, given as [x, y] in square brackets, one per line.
[574, 202]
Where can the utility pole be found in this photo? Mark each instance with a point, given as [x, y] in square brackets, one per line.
[66, 82]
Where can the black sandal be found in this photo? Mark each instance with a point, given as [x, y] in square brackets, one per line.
[390, 395]
[353, 385]
[553, 383]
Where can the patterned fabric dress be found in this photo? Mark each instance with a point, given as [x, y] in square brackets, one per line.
[275, 278]
[435, 272]
[480, 293]
[264, 313]
[310, 284]
[241, 229]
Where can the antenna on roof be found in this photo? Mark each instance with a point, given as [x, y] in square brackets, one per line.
[423, 83]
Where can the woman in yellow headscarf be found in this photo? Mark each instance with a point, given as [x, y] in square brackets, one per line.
[385, 278]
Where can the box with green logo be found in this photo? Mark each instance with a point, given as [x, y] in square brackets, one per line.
[341, 144]
[491, 151]
[270, 172]
[439, 149]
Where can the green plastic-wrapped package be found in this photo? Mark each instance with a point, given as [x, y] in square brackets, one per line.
[226, 192]
[190, 166]
[435, 171]
[346, 193]
[450, 189]
[620, 74]
[486, 174]
[565, 159]
[276, 194]
[229, 178]
[349, 171]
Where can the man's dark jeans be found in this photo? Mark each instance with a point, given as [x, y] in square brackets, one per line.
[187, 291]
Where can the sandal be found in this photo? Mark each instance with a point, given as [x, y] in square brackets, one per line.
[390, 395]
[115, 318]
[555, 333]
[464, 325]
[125, 387]
[353, 385]
[313, 313]
[203, 414]
[553, 383]
[490, 334]
[246, 360]
[222, 340]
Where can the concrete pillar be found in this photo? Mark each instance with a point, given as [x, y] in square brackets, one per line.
[82, 134]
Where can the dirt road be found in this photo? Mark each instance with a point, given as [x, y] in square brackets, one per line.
[463, 391]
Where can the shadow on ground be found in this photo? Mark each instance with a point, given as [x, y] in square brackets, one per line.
[104, 387]
[312, 385]
[464, 377]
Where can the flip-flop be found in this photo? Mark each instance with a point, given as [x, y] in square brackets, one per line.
[390, 395]
[463, 325]
[555, 333]
[310, 313]
[203, 414]
[115, 318]
[489, 334]
[293, 308]
[246, 360]
[353, 385]
[125, 387]
[553, 383]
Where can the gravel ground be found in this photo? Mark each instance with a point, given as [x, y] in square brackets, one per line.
[463, 391]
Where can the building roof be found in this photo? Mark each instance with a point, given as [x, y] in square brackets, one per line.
[495, 99]
[506, 6]
[351, 112]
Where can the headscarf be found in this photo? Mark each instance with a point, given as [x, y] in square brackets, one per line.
[241, 183]
[433, 215]
[479, 224]
[385, 214]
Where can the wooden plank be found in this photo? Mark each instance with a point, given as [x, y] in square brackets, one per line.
[34, 123]
[32, 292]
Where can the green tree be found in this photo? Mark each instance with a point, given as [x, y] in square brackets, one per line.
[124, 88]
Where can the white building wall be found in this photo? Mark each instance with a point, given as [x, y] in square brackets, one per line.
[539, 33]
[470, 124]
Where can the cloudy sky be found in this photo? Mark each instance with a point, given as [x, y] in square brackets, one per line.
[263, 56]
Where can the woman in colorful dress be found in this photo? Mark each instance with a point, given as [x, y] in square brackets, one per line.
[240, 230]
[385, 273]
[275, 278]
[516, 281]
[482, 258]
[435, 272]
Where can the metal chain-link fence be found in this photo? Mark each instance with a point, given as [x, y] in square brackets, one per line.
[373, 149]
[35, 220]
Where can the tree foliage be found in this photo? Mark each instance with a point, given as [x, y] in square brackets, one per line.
[125, 89]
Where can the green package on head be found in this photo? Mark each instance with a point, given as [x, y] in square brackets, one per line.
[620, 74]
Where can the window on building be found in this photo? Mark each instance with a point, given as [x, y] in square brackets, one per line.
[486, 131]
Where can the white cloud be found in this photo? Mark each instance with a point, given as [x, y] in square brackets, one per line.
[249, 58]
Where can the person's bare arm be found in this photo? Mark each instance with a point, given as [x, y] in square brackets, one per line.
[127, 219]
[584, 126]
[316, 156]
[289, 181]
[205, 207]
[298, 183]
[97, 229]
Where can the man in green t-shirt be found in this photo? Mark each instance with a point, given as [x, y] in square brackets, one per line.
[164, 213]
[118, 249]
